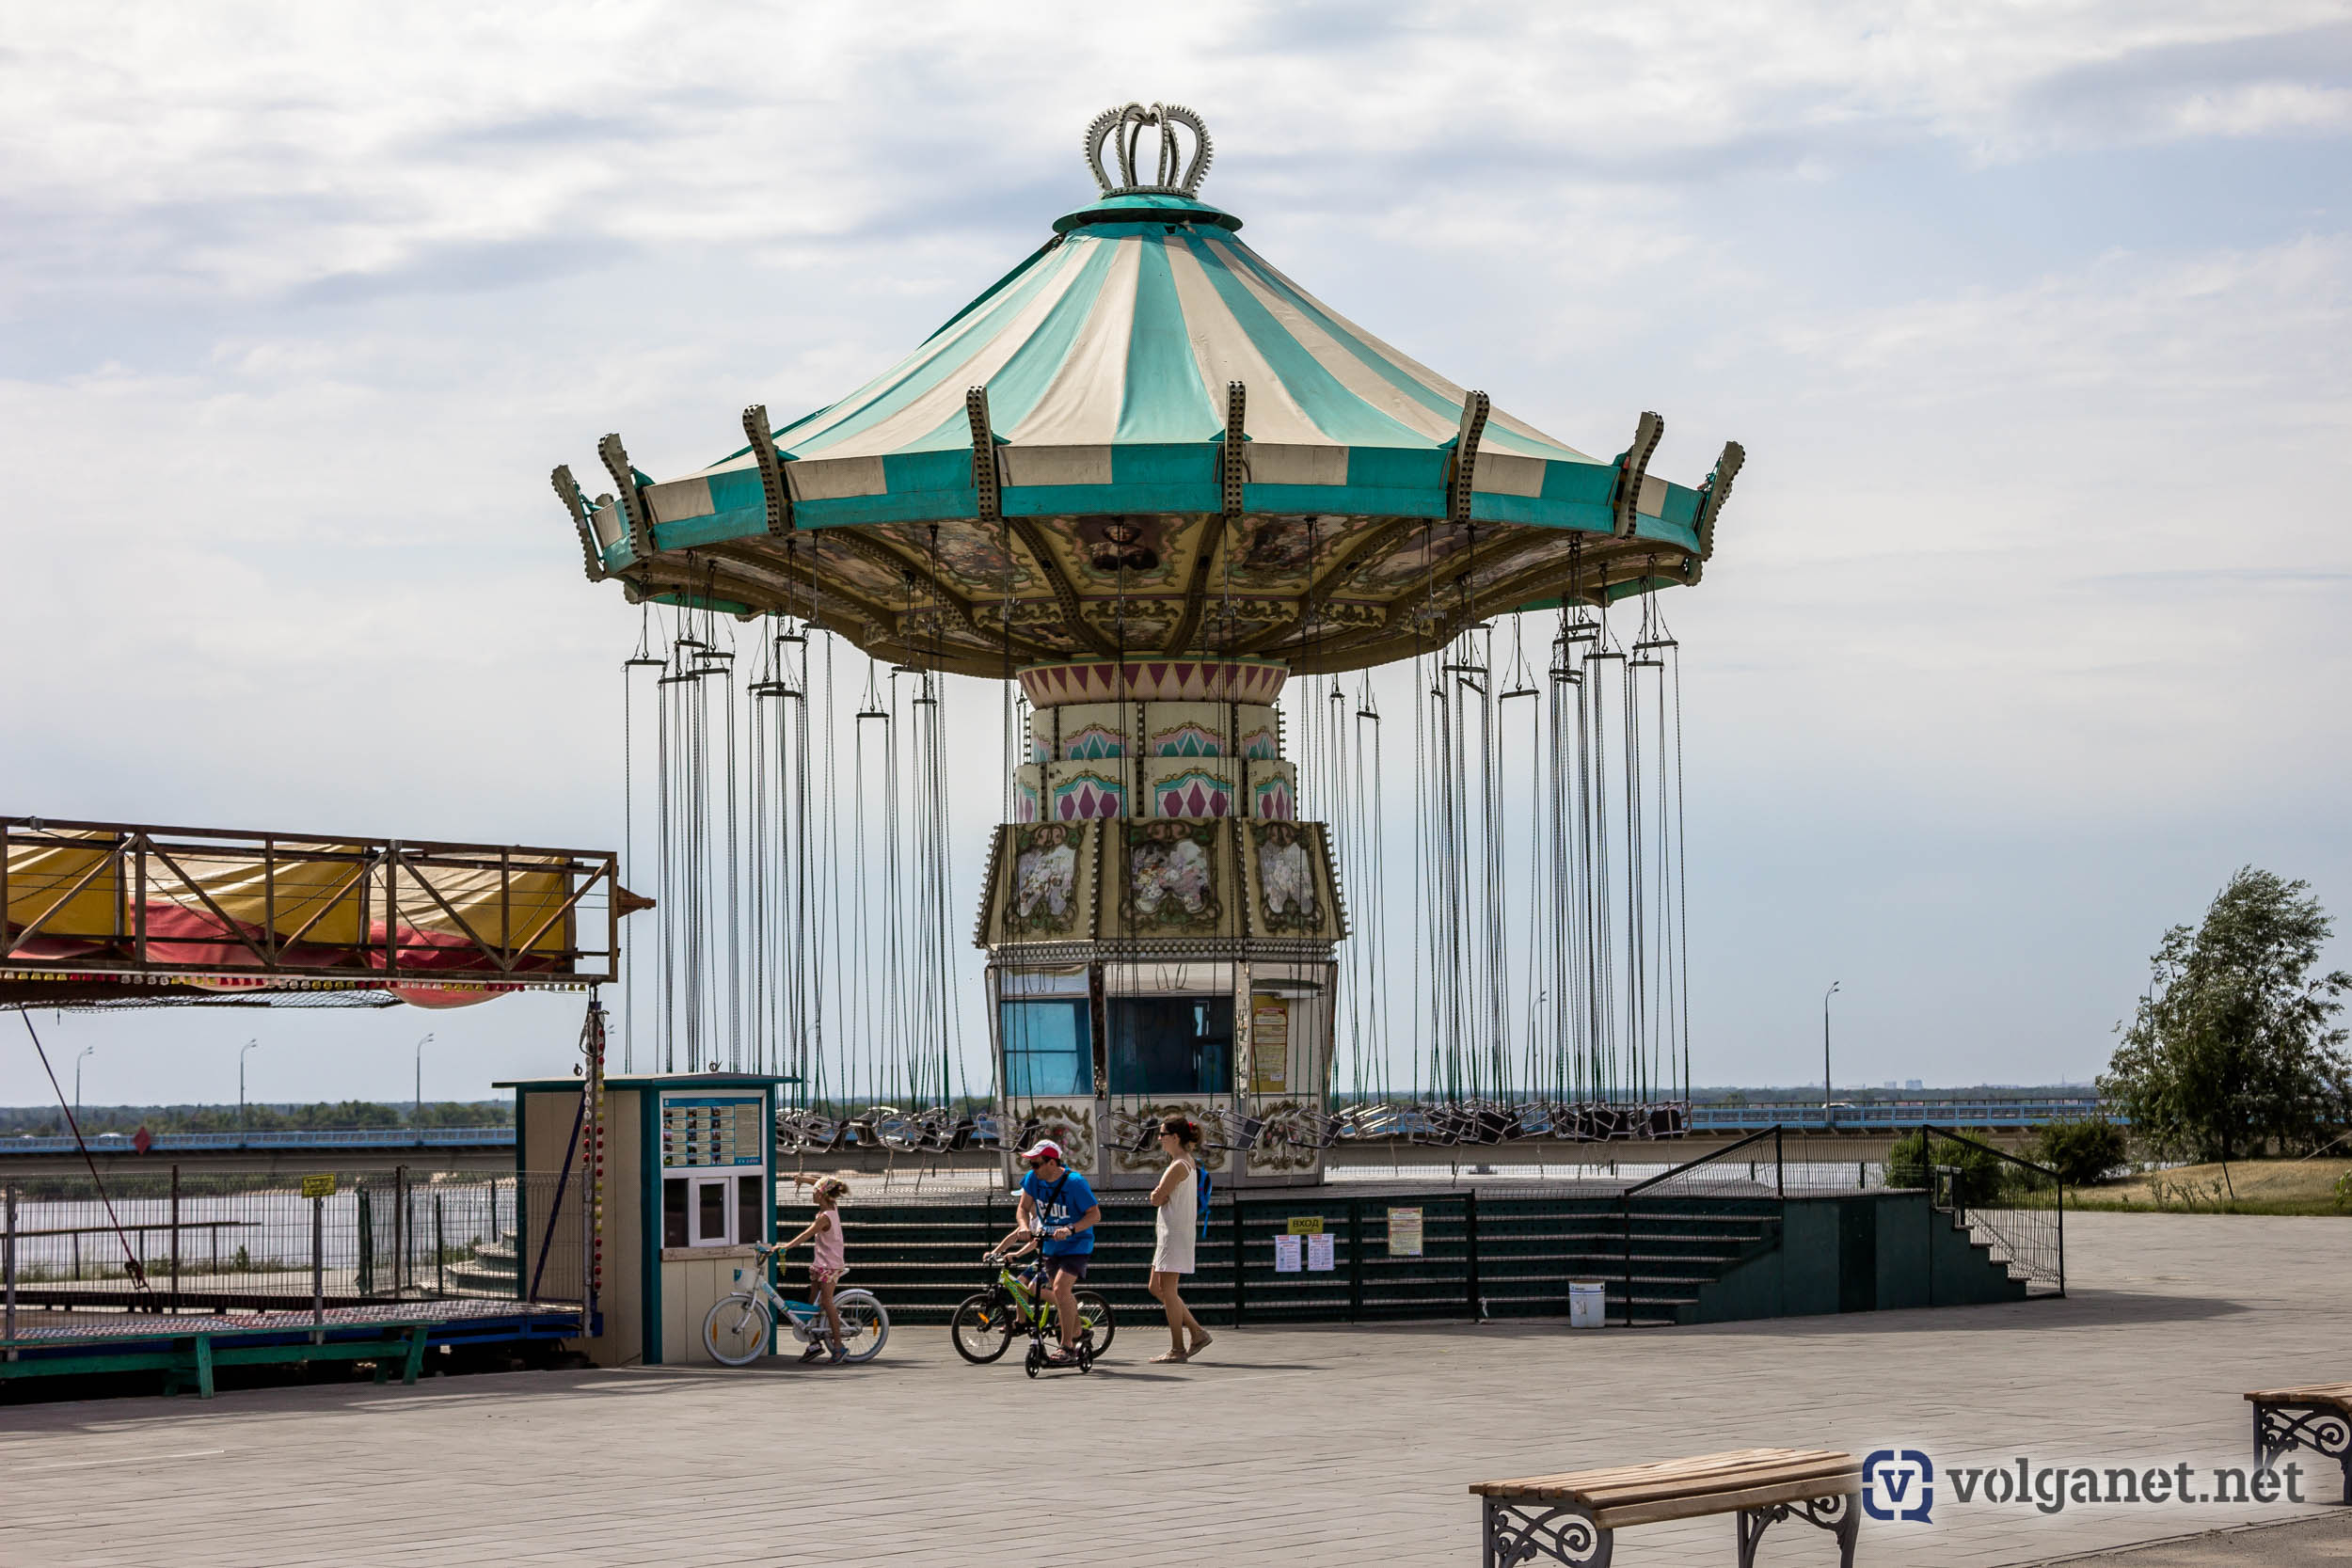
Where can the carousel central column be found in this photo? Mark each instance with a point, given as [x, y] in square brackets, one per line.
[1160, 926]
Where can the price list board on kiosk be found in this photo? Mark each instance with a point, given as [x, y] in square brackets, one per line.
[714, 1168]
[713, 1132]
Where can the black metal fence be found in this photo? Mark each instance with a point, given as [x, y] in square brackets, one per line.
[214, 1240]
[1652, 1244]
[1317, 1255]
[2014, 1207]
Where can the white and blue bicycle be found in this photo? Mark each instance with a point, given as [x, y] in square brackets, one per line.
[740, 1328]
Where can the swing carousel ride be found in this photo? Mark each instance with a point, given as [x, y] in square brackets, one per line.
[1179, 510]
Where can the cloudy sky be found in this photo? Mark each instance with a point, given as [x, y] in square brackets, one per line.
[2033, 318]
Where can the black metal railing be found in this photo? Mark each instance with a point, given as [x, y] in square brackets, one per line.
[212, 1241]
[1735, 1172]
[2011, 1206]
[1502, 1247]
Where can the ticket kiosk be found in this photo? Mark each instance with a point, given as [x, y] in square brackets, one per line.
[680, 1173]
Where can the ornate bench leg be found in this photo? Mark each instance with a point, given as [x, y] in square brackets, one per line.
[1514, 1535]
[2279, 1428]
[1836, 1515]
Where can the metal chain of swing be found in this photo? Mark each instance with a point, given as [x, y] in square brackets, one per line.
[1592, 1005]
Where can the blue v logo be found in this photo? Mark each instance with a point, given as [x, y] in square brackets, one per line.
[1897, 1483]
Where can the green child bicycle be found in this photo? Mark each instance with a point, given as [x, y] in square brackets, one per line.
[986, 1321]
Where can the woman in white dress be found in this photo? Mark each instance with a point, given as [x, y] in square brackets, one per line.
[1177, 1198]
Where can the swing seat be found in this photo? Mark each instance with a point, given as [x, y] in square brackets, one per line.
[805, 1133]
[895, 1131]
[1322, 1132]
[945, 1132]
[1440, 1127]
[1138, 1138]
[1501, 1124]
[1242, 1132]
[1483, 1127]
[1307, 1129]
[1528, 1120]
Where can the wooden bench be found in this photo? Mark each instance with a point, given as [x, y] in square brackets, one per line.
[1574, 1518]
[189, 1359]
[2317, 1416]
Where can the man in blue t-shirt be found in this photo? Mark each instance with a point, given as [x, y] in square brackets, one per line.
[1057, 1205]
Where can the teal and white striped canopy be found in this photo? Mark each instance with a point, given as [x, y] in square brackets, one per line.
[1106, 355]
[1108, 366]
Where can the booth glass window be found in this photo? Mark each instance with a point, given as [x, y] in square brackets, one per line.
[751, 1197]
[1171, 1045]
[1049, 1047]
[715, 1187]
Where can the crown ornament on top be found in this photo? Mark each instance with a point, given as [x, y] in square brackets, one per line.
[1120, 131]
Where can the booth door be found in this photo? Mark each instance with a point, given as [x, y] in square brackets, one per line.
[708, 1216]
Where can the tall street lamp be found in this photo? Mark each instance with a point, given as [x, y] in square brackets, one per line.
[77, 1081]
[241, 1051]
[1828, 1118]
[418, 1108]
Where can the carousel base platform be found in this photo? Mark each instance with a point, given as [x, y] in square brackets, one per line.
[1360, 1251]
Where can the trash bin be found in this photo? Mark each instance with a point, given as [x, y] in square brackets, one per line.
[1588, 1304]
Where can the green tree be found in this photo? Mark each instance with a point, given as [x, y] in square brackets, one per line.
[465, 1113]
[1979, 1173]
[2235, 1045]
[2080, 1151]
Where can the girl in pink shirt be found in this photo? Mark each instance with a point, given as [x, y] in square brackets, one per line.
[828, 1261]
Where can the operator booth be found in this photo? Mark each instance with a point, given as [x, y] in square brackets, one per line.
[680, 1178]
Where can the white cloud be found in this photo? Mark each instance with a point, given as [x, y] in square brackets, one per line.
[260, 147]
[305, 301]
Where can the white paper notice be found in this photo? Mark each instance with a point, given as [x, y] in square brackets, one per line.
[1319, 1254]
[1404, 1233]
[1286, 1254]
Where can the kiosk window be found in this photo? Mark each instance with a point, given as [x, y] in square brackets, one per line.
[714, 1169]
[1171, 1045]
[1049, 1049]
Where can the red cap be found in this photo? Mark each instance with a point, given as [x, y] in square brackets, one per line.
[1045, 1150]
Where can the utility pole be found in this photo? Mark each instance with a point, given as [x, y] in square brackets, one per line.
[417, 1109]
[1829, 1118]
[241, 1051]
[77, 1081]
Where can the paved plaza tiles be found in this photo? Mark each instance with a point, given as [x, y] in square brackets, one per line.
[1298, 1446]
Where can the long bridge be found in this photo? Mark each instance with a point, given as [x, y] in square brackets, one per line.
[286, 1149]
[1860, 1126]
